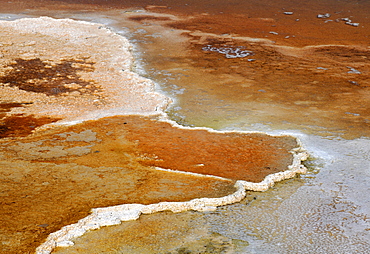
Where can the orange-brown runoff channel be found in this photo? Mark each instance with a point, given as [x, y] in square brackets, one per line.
[53, 178]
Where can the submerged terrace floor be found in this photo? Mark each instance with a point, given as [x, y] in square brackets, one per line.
[321, 90]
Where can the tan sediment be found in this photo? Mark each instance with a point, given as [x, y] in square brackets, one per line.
[105, 90]
[84, 71]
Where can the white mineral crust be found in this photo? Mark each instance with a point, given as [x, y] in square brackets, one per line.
[114, 215]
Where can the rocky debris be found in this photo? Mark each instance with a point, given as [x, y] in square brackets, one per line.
[229, 52]
[353, 82]
[323, 16]
[321, 68]
[353, 70]
[349, 22]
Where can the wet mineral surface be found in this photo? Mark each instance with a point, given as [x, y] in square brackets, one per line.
[54, 174]
[278, 67]
[52, 179]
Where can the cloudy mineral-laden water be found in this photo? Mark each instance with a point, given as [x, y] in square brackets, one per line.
[277, 67]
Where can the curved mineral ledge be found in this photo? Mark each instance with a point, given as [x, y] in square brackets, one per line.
[114, 215]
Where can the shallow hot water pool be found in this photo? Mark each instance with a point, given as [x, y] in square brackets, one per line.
[303, 75]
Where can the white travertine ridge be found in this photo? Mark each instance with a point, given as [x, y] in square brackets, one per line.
[114, 215]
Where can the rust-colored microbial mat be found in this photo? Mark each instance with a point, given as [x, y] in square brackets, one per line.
[249, 157]
[53, 178]
[49, 181]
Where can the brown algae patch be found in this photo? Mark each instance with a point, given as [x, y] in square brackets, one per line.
[35, 75]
